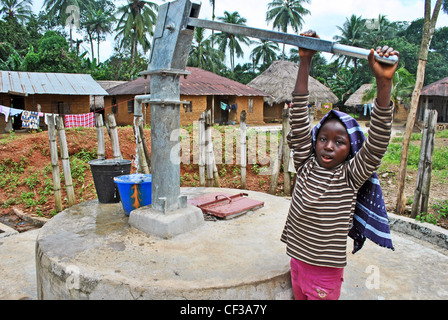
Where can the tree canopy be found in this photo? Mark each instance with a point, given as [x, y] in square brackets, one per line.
[44, 42]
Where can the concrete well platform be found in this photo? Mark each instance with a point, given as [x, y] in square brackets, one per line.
[90, 251]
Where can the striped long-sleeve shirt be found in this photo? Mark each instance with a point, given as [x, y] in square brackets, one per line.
[324, 200]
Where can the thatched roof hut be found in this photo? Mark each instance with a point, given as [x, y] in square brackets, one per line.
[279, 81]
[356, 98]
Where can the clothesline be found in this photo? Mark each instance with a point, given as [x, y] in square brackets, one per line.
[15, 111]
[30, 119]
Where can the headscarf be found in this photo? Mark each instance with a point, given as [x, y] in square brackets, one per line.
[370, 216]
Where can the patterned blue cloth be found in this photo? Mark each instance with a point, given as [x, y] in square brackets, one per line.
[370, 217]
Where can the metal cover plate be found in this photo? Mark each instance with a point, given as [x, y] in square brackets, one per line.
[225, 205]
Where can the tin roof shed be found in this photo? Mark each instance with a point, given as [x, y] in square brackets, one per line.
[438, 88]
[29, 83]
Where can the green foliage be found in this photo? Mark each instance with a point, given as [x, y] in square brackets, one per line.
[440, 159]
[86, 155]
[393, 155]
[53, 56]
[42, 43]
[441, 210]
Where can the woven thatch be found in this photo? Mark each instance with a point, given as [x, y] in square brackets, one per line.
[279, 81]
[356, 98]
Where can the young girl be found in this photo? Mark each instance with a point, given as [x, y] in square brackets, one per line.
[335, 182]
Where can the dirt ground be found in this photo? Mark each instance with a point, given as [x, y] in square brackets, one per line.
[29, 153]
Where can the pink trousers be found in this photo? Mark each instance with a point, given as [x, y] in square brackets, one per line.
[314, 282]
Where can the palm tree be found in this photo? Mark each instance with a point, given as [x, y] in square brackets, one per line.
[202, 55]
[64, 10]
[344, 83]
[266, 51]
[100, 23]
[286, 13]
[402, 85]
[231, 41]
[379, 30]
[137, 21]
[353, 34]
[21, 10]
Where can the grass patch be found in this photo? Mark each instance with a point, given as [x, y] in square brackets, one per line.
[393, 155]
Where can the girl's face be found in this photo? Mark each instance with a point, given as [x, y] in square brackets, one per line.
[333, 144]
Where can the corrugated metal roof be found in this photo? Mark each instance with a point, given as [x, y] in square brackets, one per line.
[438, 88]
[28, 83]
[198, 83]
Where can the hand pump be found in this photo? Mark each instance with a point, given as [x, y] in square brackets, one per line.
[173, 36]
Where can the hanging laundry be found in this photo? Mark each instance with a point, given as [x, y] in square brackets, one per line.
[234, 107]
[14, 112]
[4, 110]
[80, 120]
[224, 106]
[30, 119]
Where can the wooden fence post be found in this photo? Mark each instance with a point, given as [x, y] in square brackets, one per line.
[243, 147]
[65, 160]
[212, 170]
[423, 183]
[54, 162]
[276, 167]
[208, 150]
[116, 153]
[99, 124]
[202, 153]
[142, 162]
[145, 146]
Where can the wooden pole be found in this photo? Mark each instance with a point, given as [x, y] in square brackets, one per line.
[276, 168]
[428, 160]
[116, 153]
[145, 145]
[202, 154]
[216, 181]
[423, 184]
[209, 150]
[54, 162]
[427, 34]
[99, 124]
[286, 152]
[65, 161]
[243, 147]
[142, 163]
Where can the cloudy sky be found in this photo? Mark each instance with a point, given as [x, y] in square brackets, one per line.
[325, 15]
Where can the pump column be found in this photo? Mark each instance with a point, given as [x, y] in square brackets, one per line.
[169, 213]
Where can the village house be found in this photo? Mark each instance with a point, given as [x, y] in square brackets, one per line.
[279, 80]
[60, 93]
[434, 96]
[361, 107]
[203, 90]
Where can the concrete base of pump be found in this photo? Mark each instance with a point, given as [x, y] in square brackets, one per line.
[90, 251]
[167, 225]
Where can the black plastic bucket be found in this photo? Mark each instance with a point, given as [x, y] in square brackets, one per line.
[104, 172]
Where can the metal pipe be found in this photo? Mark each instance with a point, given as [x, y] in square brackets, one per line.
[291, 39]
